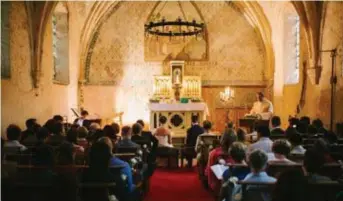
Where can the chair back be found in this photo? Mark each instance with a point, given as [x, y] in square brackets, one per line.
[132, 150]
[256, 191]
[275, 170]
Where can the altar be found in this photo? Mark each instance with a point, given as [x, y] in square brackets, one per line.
[178, 98]
[179, 115]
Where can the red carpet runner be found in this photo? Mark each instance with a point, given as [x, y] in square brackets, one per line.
[177, 185]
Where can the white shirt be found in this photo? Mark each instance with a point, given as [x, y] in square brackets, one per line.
[80, 122]
[15, 143]
[263, 143]
[264, 108]
[298, 150]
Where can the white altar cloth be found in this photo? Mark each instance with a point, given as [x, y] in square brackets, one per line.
[179, 107]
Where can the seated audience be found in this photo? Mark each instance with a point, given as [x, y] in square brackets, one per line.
[228, 138]
[296, 141]
[100, 158]
[30, 129]
[44, 158]
[114, 161]
[126, 139]
[207, 126]
[137, 133]
[116, 128]
[31, 140]
[258, 163]
[72, 138]
[281, 149]
[162, 133]
[148, 135]
[290, 186]
[331, 137]
[263, 143]
[57, 135]
[42, 136]
[322, 147]
[313, 162]
[237, 152]
[293, 123]
[241, 136]
[275, 124]
[65, 154]
[111, 132]
[13, 135]
[82, 135]
[312, 130]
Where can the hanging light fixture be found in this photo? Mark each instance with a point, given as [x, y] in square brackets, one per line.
[227, 95]
[176, 28]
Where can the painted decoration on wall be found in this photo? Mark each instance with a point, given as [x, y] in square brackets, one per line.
[5, 40]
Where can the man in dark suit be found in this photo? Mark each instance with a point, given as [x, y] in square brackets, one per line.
[191, 139]
[126, 141]
[137, 133]
[148, 136]
[275, 123]
[30, 129]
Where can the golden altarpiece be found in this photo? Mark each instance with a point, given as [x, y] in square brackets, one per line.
[178, 98]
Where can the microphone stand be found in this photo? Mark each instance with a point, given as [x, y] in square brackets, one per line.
[333, 82]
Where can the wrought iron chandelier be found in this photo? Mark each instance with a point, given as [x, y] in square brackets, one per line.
[175, 28]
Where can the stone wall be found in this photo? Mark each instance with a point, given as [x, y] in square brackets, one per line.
[19, 100]
[235, 55]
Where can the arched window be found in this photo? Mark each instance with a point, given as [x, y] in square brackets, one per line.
[291, 48]
[60, 44]
[5, 40]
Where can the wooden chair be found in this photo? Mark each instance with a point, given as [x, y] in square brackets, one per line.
[276, 137]
[332, 170]
[256, 191]
[170, 154]
[298, 158]
[275, 170]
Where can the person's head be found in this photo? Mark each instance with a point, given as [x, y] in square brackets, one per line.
[296, 139]
[258, 160]
[241, 135]
[293, 122]
[72, 136]
[313, 161]
[126, 132]
[291, 186]
[305, 120]
[44, 156]
[141, 122]
[108, 141]
[30, 123]
[317, 123]
[275, 121]
[263, 131]
[162, 120]
[312, 130]
[116, 128]
[58, 118]
[136, 129]
[94, 127]
[228, 138]
[100, 155]
[230, 125]
[13, 132]
[321, 146]
[302, 127]
[50, 124]
[65, 154]
[84, 114]
[259, 96]
[237, 152]
[281, 147]
[42, 134]
[82, 132]
[207, 125]
[110, 132]
[58, 128]
[195, 119]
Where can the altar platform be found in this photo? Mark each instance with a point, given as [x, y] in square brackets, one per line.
[178, 115]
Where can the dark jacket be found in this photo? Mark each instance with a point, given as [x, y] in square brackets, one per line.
[149, 136]
[277, 131]
[127, 143]
[192, 135]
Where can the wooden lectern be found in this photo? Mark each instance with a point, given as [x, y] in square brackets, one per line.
[250, 123]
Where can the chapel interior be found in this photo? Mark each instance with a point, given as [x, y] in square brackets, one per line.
[195, 100]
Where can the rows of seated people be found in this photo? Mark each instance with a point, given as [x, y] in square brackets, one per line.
[276, 165]
[53, 162]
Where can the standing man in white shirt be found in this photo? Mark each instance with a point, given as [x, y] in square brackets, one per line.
[263, 143]
[80, 120]
[262, 106]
